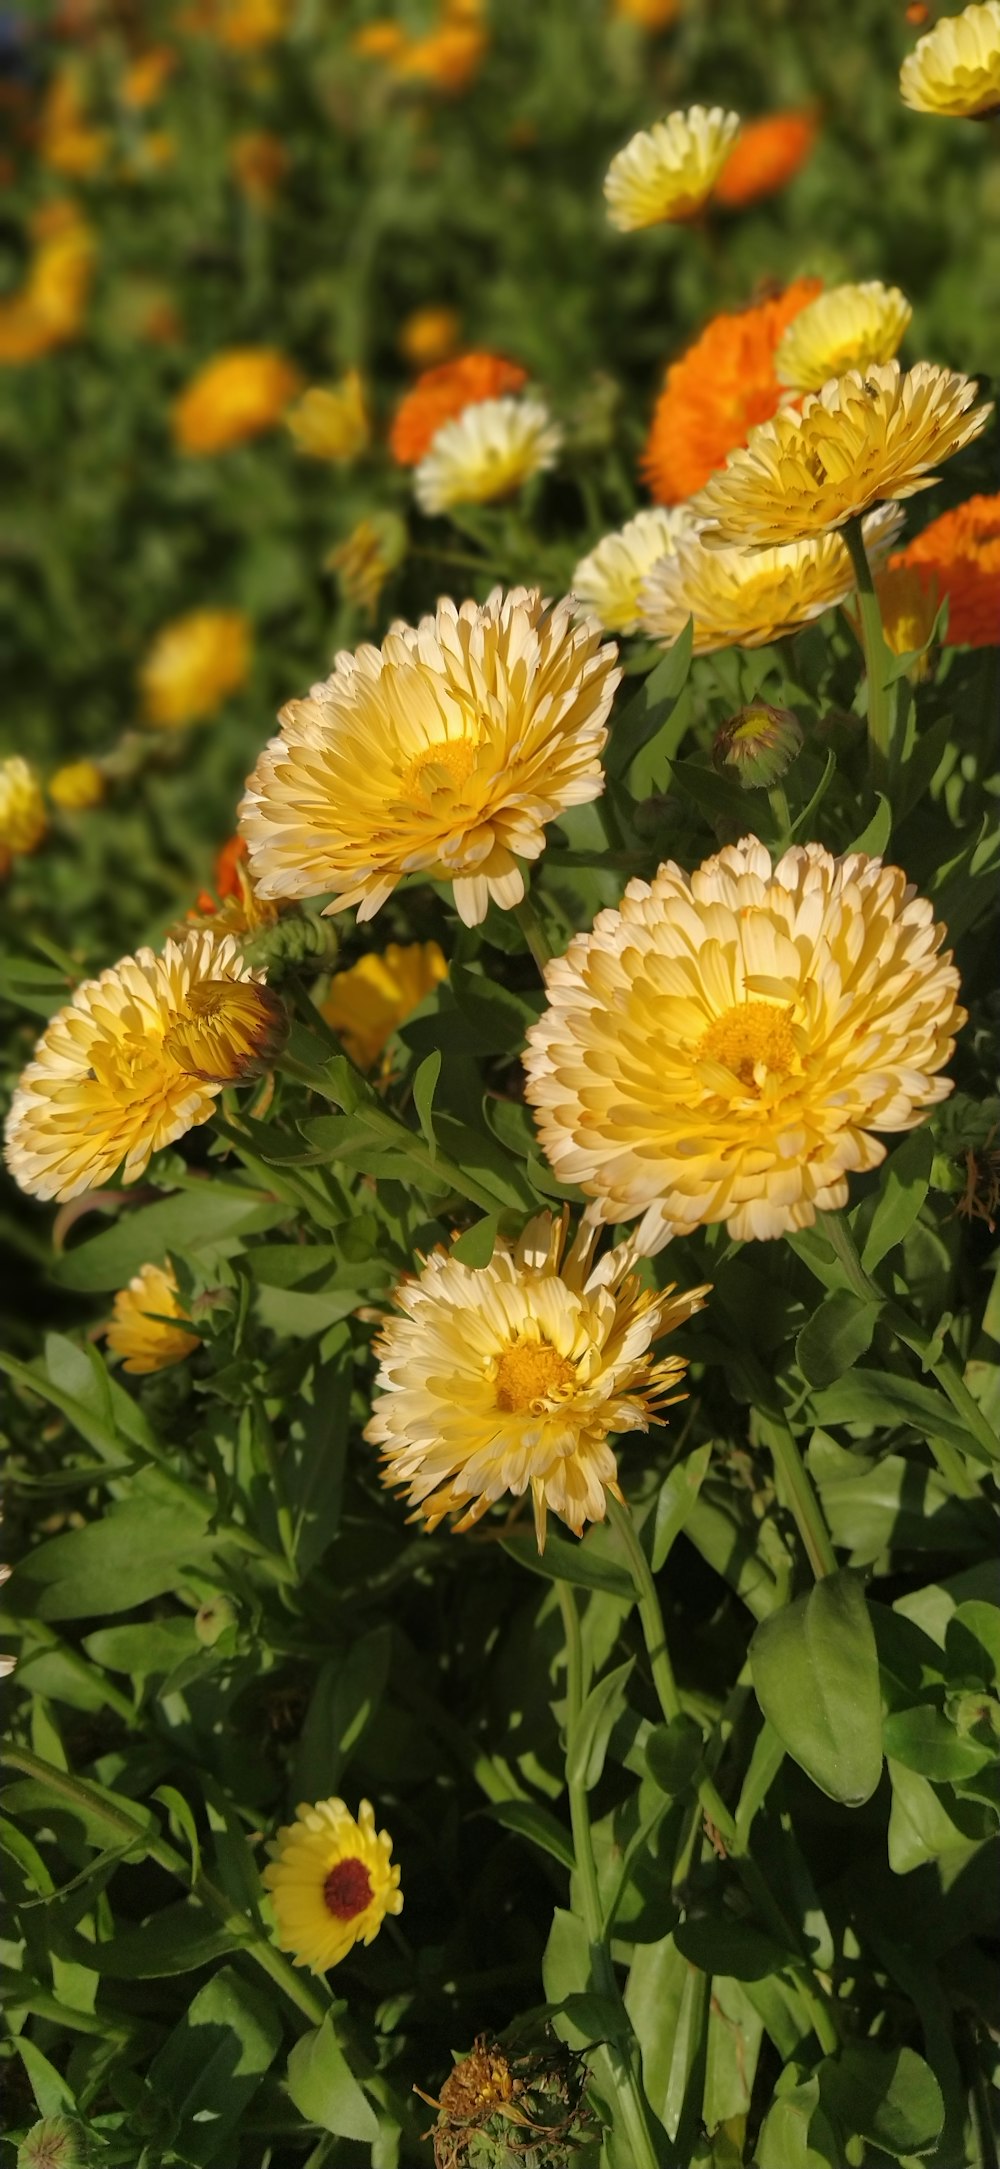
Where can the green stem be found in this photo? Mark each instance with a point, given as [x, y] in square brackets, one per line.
[796, 1483]
[880, 705]
[777, 799]
[534, 932]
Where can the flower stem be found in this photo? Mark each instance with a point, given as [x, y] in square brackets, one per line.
[880, 705]
[534, 932]
[800, 1495]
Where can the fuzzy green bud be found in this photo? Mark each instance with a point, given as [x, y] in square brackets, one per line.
[757, 745]
[58, 2142]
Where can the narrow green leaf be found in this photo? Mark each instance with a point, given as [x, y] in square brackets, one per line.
[424, 1088]
[530, 1820]
[835, 1336]
[651, 707]
[564, 1562]
[587, 1743]
[877, 832]
[324, 2088]
[210, 2067]
[904, 1184]
[814, 1666]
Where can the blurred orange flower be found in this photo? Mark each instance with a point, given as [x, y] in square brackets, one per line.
[648, 14]
[50, 306]
[429, 336]
[66, 143]
[237, 395]
[259, 162]
[448, 58]
[960, 554]
[440, 394]
[245, 26]
[379, 41]
[717, 392]
[146, 77]
[766, 156]
[194, 664]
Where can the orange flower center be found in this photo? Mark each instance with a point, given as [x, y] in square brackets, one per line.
[527, 1372]
[347, 1889]
[441, 768]
[750, 1038]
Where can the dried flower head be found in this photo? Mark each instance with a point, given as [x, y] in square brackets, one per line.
[667, 172]
[508, 2106]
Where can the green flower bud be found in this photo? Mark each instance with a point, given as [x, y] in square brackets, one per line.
[757, 745]
[58, 2142]
[298, 937]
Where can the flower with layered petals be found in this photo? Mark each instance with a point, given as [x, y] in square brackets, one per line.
[609, 579]
[767, 155]
[119, 1073]
[368, 1003]
[667, 172]
[851, 327]
[331, 421]
[143, 1328]
[516, 1375]
[331, 1883]
[442, 394]
[194, 664]
[443, 752]
[860, 440]
[489, 452]
[23, 819]
[236, 396]
[722, 1046]
[746, 598]
[958, 555]
[955, 69]
[717, 392]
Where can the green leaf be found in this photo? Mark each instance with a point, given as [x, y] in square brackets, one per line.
[564, 1562]
[209, 1219]
[651, 708]
[903, 1186]
[896, 1502]
[75, 1382]
[496, 1018]
[927, 1825]
[814, 1666]
[156, 1646]
[324, 2088]
[52, 2094]
[530, 1820]
[795, 2133]
[923, 1739]
[475, 1248]
[347, 1696]
[675, 1502]
[210, 2067]
[176, 1940]
[835, 1336]
[879, 1398]
[888, 2097]
[731, 1947]
[876, 835]
[673, 1753]
[972, 1642]
[138, 1550]
[587, 1743]
[424, 1088]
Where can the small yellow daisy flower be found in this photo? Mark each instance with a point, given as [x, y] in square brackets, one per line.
[368, 1003]
[488, 451]
[142, 1330]
[78, 786]
[746, 598]
[331, 422]
[331, 1883]
[193, 666]
[955, 69]
[609, 578]
[851, 327]
[23, 819]
[667, 172]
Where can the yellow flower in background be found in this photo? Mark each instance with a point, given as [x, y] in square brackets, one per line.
[858, 441]
[722, 1046]
[515, 1376]
[429, 336]
[379, 41]
[142, 1329]
[850, 327]
[444, 752]
[23, 819]
[449, 58]
[243, 26]
[955, 70]
[67, 143]
[746, 598]
[50, 307]
[259, 163]
[364, 561]
[647, 14]
[104, 1089]
[367, 1004]
[146, 77]
[194, 664]
[667, 172]
[331, 421]
[78, 786]
[487, 452]
[909, 608]
[235, 396]
[609, 579]
[331, 1883]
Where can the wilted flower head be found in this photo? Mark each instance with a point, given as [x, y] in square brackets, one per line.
[331, 421]
[608, 580]
[331, 1883]
[955, 69]
[716, 393]
[441, 394]
[78, 786]
[505, 2104]
[757, 745]
[445, 752]
[194, 664]
[746, 598]
[235, 396]
[23, 819]
[368, 1003]
[143, 1328]
[958, 555]
[850, 327]
[767, 155]
[490, 451]
[667, 172]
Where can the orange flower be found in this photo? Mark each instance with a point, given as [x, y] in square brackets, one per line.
[237, 395]
[259, 161]
[429, 336]
[717, 392]
[647, 14]
[66, 143]
[146, 77]
[441, 394]
[766, 156]
[960, 553]
[448, 59]
[50, 306]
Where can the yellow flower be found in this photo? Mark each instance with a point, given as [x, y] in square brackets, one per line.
[146, 77]
[67, 144]
[23, 819]
[331, 1883]
[608, 580]
[383, 40]
[429, 336]
[363, 562]
[745, 598]
[722, 1046]
[955, 69]
[859, 440]
[331, 422]
[367, 1004]
[909, 608]
[851, 327]
[445, 752]
[515, 1376]
[236, 396]
[194, 664]
[77, 786]
[141, 1329]
[449, 57]
[647, 14]
[667, 172]
[488, 451]
[108, 1085]
[49, 308]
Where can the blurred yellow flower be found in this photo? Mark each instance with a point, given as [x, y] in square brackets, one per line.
[429, 336]
[379, 41]
[859, 440]
[608, 580]
[449, 58]
[444, 752]
[515, 1376]
[194, 664]
[367, 1004]
[244, 26]
[648, 14]
[331, 1883]
[363, 562]
[955, 69]
[667, 172]
[745, 598]
[142, 1329]
[237, 395]
[66, 142]
[77, 786]
[23, 819]
[909, 607]
[331, 421]
[146, 77]
[488, 451]
[49, 309]
[259, 162]
[722, 1046]
[105, 1090]
[850, 327]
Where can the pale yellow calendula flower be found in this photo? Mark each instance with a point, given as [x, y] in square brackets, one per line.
[668, 172]
[609, 579]
[850, 327]
[368, 1003]
[745, 598]
[488, 451]
[23, 819]
[954, 70]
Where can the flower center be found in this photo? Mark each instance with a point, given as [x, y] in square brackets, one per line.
[229, 1030]
[442, 768]
[749, 1038]
[527, 1372]
[347, 1889]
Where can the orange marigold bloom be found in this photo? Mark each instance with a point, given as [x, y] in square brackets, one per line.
[237, 395]
[960, 553]
[766, 156]
[717, 392]
[441, 394]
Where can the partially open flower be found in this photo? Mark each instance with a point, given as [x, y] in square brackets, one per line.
[331, 421]
[144, 1329]
[23, 819]
[667, 172]
[609, 579]
[955, 69]
[365, 559]
[489, 452]
[757, 745]
[331, 1883]
[58, 2142]
[227, 1033]
[850, 327]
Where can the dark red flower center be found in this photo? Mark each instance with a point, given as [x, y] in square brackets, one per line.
[348, 1889]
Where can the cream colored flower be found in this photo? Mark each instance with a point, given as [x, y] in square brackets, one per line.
[609, 579]
[23, 819]
[514, 1377]
[860, 440]
[851, 327]
[667, 172]
[120, 1072]
[443, 752]
[744, 598]
[331, 421]
[955, 69]
[142, 1328]
[331, 1883]
[488, 451]
[722, 1046]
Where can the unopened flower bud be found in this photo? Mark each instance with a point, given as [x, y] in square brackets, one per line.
[232, 1029]
[212, 1619]
[58, 2142]
[757, 745]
